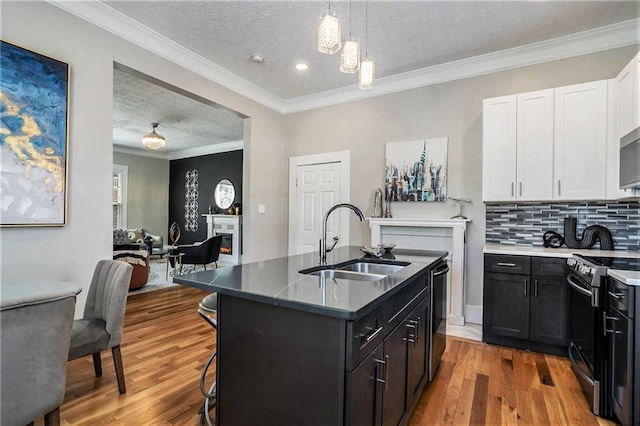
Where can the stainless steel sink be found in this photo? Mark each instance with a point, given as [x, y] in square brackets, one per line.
[371, 268]
[346, 275]
[356, 270]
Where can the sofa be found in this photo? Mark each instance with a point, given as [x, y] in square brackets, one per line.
[134, 239]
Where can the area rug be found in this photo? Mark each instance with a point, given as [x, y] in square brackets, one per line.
[158, 276]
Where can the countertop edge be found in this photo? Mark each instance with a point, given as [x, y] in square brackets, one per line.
[555, 252]
[631, 278]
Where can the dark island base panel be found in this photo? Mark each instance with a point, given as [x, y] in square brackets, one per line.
[525, 344]
[262, 345]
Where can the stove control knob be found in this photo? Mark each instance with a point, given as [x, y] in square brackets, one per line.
[584, 269]
[592, 271]
[571, 262]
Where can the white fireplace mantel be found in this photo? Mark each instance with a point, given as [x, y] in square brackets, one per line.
[227, 224]
[430, 234]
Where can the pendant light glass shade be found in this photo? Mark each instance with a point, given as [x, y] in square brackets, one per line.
[350, 57]
[367, 77]
[153, 140]
[329, 33]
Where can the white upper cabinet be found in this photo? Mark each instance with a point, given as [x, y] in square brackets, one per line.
[580, 141]
[546, 145]
[534, 142]
[625, 113]
[499, 154]
[628, 88]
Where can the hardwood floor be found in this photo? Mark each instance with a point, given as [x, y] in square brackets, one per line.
[166, 344]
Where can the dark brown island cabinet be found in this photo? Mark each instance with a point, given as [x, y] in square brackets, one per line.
[294, 364]
[526, 303]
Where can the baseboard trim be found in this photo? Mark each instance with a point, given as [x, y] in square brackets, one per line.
[473, 314]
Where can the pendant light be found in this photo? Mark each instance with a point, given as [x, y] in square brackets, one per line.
[329, 32]
[153, 140]
[367, 76]
[350, 57]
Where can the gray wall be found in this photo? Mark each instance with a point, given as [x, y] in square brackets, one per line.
[147, 192]
[452, 109]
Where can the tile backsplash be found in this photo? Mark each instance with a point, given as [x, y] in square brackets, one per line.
[523, 224]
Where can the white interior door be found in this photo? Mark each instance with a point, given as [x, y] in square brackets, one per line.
[317, 190]
[316, 183]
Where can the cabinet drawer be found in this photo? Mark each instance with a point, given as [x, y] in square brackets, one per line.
[507, 264]
[399, 306]
[549, 266]
[363, 335]
[622, 297]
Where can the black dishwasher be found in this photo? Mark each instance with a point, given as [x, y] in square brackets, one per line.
[619, 326]
[438, 316]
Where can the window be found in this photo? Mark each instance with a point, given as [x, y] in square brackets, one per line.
[119, 195]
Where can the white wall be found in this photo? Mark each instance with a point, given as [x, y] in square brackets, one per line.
[452, 109]
[70, 253]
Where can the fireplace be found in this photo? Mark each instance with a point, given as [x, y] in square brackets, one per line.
[230, 227]
[227, 243]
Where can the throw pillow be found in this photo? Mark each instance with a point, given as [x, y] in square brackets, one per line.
[120, 237]
[136, 235]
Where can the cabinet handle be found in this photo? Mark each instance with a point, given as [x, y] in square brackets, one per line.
[605, 318]
[373, 335]
[617, 296]
[384, 365]
[520, 184]
[559, 191]
[535, 288]
[510, 265]
[526, 284]
[412, 337]
[512, 187]
[386, 373]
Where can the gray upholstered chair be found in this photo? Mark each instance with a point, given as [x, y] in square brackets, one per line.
[34, 343]
[101, 325]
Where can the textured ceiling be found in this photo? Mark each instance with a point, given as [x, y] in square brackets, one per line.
[403, 36]
[184, 122]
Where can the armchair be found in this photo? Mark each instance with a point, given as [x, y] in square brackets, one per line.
[202, 253]
[34, 342]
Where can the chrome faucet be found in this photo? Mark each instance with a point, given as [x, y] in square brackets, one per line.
[323, 241]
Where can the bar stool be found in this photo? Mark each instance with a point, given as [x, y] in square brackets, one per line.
[208, 309]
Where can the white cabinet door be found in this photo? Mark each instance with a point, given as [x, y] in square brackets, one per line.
[580, 136]
[628, 94]
[534, 166]
[499, 149]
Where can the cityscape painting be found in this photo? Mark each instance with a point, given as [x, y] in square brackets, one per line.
[33, 138]
[417, 170]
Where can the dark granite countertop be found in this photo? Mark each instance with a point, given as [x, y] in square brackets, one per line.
[278, 282]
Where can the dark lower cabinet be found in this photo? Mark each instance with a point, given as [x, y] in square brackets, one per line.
[383, 389]
[526, 303]
[365, 386]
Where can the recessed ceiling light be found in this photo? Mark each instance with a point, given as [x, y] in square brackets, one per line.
[302, 67]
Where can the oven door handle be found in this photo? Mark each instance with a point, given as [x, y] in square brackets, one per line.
[577, 287]
[575, 364]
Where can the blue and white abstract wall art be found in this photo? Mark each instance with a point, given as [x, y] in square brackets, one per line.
[34, 113]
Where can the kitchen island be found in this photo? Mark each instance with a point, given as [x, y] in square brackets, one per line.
[297, 348]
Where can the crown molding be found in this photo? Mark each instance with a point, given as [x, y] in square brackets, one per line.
[183, 153]
[121, 25]
[603, 38]
[591, 41]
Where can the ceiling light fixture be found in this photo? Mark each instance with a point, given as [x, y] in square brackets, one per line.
[350, 57]
[257, 58]
[302, 67]
[367, 76]
[329, 32]
[153, 140]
